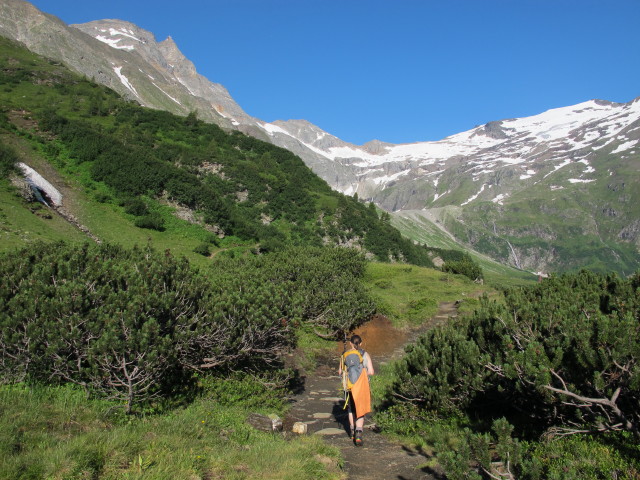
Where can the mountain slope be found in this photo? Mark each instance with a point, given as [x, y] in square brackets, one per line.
[178, 177]
[551, 192]
[128, 59]
[501, 164]
[148, 76]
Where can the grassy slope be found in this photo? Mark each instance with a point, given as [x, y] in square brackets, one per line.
[18, 225]
[57, 433]
[409, 295]
[422, 230]
[22, 223]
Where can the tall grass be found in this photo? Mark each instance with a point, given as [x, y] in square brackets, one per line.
[56, 433]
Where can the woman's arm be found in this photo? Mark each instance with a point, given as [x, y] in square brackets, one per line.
[369, 364]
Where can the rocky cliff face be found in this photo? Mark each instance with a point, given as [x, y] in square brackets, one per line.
[179, 80]
[125, 58]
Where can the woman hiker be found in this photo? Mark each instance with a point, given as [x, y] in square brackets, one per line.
[355, 368]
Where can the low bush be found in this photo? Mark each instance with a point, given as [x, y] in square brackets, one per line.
[556, 359]
[466, 267]
[152, 221]
[8, 160]
[135, 206]
[565, 351]
[137, 325]
[203, 249]
[128, 324]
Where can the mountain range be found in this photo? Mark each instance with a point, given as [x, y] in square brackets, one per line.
[553, 192]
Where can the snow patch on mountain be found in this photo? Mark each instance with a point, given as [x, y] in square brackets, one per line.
[114, 43]
[116, 36]
[558, 123]
[437, 196]
[172, 98]
[272, 130]
[37, 180]
[474, 196]
[625, 146]
[390, 178]
[125, 80]
[528, 174]
[186, 85]
[499, 199]
[580, 180]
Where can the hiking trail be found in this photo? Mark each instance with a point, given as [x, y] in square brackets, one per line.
[320, 406]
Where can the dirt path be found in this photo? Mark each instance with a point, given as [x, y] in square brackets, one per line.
[320, 407]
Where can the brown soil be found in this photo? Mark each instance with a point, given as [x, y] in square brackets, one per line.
[320, 405]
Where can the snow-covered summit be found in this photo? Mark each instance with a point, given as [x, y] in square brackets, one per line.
[524, 150]
[560, 124]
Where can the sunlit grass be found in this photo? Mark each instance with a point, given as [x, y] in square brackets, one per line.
[55, 432]
[409, 295]
[21, 225]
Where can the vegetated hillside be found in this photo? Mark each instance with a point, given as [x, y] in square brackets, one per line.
[152, 166]
[416, 225]
[549, 193]
[590, 226]
[543, 383]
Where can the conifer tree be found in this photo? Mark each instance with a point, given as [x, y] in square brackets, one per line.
[566, 352]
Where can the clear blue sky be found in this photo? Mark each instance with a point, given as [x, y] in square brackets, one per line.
[395, 70]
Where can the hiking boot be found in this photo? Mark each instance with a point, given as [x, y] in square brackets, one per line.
[358, 438]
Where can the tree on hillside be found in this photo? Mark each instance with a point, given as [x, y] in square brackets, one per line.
[136, 325]
[128, 324]
[566, 352]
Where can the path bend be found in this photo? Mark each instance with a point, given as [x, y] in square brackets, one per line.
[320, 406]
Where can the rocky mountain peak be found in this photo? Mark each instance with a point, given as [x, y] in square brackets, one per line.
[376, 147]
[118, 34]
[169, 43]
[126, 36]
[178, 63]
[309, 134]
[606, 103]
[186, 89]
[493, 130]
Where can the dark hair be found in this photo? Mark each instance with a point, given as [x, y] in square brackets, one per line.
[356, 340]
